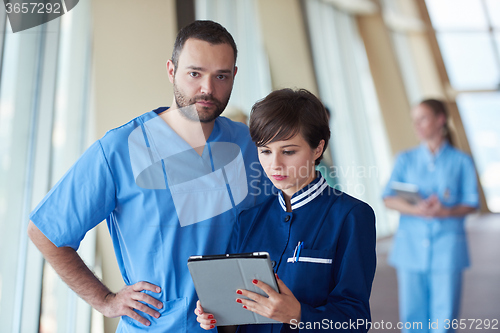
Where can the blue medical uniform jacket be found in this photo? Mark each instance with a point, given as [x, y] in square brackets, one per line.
[162, 202]
[437, 244]
[333, 273]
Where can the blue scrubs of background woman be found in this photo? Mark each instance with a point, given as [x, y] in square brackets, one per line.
[430, 249]
[321, 241]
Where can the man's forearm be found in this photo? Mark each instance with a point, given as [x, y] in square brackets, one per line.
[72, 270]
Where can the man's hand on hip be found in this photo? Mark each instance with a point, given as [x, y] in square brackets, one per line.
[131, 298]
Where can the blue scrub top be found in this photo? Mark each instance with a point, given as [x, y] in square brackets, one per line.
[333, 273]
[162, 202]
[437, 244]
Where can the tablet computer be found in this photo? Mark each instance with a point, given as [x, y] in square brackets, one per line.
[407, 191]
[217, 277]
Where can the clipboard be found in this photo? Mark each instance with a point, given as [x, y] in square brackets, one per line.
[407, 191]
[217, 277]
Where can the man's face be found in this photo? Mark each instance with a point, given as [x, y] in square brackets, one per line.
[203, 78]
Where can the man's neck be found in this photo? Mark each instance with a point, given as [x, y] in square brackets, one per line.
[195, 133]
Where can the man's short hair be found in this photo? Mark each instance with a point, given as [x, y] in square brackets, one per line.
[208, 31]
[284, 113]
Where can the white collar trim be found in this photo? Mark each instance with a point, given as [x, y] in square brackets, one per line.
[306, 196]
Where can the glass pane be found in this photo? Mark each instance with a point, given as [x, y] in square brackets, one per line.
[457, 14]
[59, 308]
[480, 113]
[17, 84]
[497, 41]
[470, 60]
[493, 7]
[346, 87]
[406, 66]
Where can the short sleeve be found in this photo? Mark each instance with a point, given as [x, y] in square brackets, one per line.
[397, 175]
[469, 191]
[83, 198]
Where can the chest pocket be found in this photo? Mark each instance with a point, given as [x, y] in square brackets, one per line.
[309, 276]
[450, 194]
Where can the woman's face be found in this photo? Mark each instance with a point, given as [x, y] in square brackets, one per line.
[290, 163]
[427, 124]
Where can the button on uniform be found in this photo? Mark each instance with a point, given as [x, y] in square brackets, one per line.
[287, 218]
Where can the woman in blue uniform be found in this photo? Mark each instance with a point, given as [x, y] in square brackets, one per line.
[430, 249]
[321, 241]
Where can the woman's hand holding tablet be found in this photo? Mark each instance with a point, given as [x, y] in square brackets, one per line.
[282, 307]
[217, 278]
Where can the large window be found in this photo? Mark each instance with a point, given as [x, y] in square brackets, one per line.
[44, 75]
[359, 144]
[481, 116]
[402, 21]
[468, 33]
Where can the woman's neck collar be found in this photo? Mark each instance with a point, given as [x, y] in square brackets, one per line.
[288, 194]
[435, 144]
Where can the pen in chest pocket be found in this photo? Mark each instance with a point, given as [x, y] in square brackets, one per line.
[309, 259]
[296, 253]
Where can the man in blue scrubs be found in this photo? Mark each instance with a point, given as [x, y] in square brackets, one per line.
[169, 184]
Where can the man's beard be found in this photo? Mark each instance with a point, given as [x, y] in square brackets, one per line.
[187, 106]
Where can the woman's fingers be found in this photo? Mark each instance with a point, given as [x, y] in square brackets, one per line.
[264, 287]
[199, 309]
[282, 306]
[250, 294]
[206, 320]
[252, 306]
[256, 302]
[257, 297]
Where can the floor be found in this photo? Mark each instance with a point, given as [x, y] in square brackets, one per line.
[481, 293]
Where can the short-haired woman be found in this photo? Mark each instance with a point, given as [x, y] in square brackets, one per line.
[327, 284]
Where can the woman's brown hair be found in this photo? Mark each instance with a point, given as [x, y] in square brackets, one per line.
[285, 113]
[439, 108]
